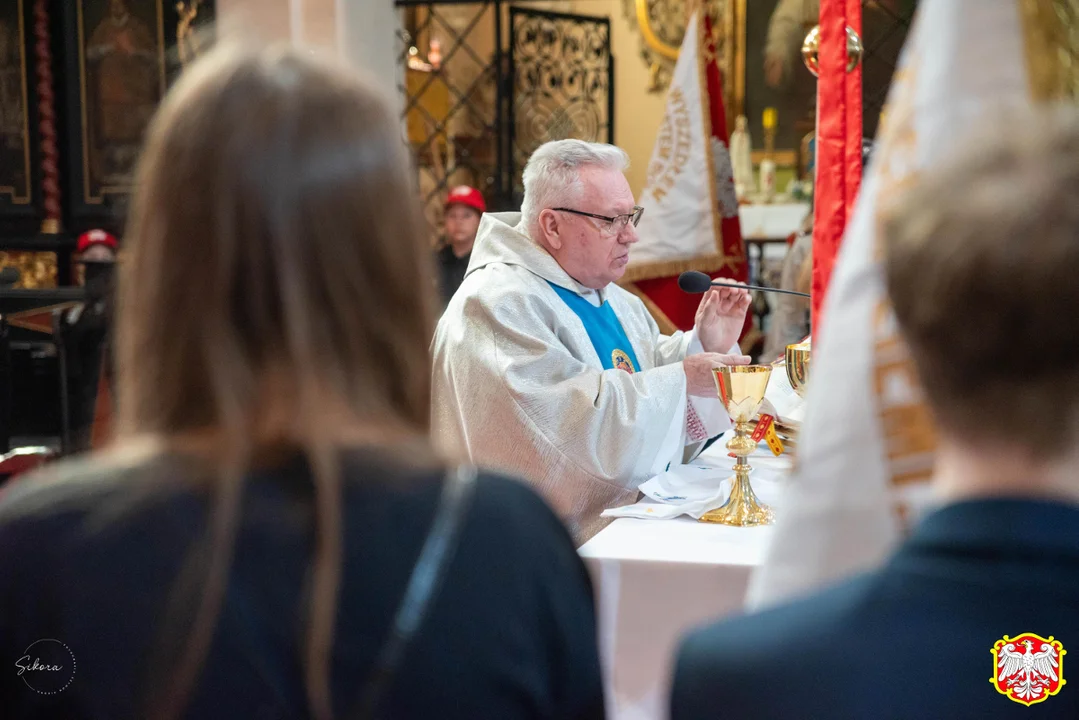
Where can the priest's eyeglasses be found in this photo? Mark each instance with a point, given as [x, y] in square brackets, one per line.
[614, 225]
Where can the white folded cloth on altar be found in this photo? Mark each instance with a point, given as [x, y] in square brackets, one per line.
[780, 400]
[704, 484]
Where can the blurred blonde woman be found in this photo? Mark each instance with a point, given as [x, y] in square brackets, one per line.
[272, 536]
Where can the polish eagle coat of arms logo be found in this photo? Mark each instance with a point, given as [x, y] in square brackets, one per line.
[1028, 668]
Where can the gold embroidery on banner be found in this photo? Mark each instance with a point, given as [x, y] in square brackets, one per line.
[909, 435]
[672, 146]
[907, 426]
[1051, 45]
[661, 181]
[1051, 41]
[897, 166]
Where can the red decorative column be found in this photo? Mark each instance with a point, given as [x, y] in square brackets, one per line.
[50, 168]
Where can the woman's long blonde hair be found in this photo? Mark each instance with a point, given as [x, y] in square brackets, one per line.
[274, 259]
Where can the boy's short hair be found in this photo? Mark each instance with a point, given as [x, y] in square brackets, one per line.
[982, 267]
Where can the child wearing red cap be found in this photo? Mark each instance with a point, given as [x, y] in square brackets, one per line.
[464, 206]
[96, 246]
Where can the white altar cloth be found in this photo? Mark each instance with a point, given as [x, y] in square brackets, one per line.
[656, 579]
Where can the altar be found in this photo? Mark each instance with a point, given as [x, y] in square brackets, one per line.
[657, 579]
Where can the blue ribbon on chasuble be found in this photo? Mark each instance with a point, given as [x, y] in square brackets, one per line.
[608, 337]
[604, 330]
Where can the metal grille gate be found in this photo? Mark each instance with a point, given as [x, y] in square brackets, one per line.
[885, 24]
[563, 80]
[479, 100]
[510, 77]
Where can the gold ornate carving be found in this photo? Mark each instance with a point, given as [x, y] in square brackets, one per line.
[1051, 40]
[188, 45]
[661, 21]
[662, 24]
[37, 269]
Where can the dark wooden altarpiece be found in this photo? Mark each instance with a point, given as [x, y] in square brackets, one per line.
[79, 82]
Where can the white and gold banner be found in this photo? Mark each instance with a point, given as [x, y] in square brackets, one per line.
[867, 446]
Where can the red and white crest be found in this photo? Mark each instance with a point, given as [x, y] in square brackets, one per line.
[1028, 668]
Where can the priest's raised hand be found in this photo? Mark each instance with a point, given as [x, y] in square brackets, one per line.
[721, 317]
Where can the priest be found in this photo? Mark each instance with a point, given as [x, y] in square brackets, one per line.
[546, 369]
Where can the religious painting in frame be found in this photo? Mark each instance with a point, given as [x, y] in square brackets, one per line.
[19, 159]
[769, 72]
[122, 56]
[662, 27]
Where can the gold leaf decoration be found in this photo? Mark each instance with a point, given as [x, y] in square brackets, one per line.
[37, 270]
[662, 27]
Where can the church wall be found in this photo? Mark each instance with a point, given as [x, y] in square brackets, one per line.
[637, 113]
[368, 42]
[267, 19]
[363, 31]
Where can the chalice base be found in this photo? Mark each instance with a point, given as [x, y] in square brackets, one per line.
[742, 508]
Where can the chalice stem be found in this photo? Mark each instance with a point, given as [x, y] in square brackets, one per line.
[742, 495]
[741, 389]
[742, 508]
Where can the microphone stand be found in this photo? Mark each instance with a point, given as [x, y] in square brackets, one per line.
[761, 288]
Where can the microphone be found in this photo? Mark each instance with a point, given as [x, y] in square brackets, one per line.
[694, 282]
[9, 276]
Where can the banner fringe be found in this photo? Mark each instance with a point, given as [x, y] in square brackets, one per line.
[668, 268]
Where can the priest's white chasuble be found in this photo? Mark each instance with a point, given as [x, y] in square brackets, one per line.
[571, 388]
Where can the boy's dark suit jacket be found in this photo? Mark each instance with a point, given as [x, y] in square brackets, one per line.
[911, 640]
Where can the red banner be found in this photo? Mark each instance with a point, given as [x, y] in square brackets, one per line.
[839, 142]
[657, 283]
[731, 227]
[679, 307]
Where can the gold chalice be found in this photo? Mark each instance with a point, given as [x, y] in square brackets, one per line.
[741, 390]
[797, 361]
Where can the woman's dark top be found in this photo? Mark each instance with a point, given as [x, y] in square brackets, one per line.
[89, 556]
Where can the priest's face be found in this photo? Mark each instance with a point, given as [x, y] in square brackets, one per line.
[587, 248]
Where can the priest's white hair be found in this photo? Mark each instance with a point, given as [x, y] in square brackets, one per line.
[552, 176]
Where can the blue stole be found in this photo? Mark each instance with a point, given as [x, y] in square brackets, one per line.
[604, 330]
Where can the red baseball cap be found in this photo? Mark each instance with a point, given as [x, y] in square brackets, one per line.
[468, 196]
[95, 237]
